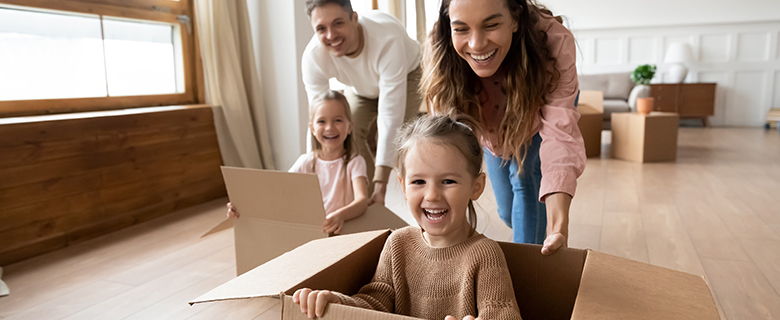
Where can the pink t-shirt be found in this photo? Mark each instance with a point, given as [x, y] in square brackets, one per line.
[562, 152]
[336, 191]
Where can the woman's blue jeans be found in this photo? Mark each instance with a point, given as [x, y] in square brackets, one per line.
[517, 196]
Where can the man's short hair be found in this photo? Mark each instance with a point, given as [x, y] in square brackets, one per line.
[344, 4]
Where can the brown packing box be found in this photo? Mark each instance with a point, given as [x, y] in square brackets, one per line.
[281, 211]
[591, 109]
[570, 284]
[644, 138]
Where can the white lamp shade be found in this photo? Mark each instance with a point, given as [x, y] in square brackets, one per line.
[678, 52]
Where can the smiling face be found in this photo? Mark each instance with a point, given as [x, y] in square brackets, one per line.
[330, 125]
[482, 33]
[438, 187]
[336, 29]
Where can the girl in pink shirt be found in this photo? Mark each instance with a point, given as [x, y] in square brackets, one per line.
[340, 170]
[511, 65]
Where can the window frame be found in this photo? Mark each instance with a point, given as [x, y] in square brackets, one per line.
[167, 11]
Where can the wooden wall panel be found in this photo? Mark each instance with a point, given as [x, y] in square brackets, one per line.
[65, 181]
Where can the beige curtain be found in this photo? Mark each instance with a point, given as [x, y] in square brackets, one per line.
[396, 8]
[233, 83]
[393, 7]
[419, 8]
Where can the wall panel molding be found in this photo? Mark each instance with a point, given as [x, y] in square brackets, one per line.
[742, 58]
[776, 91]
[746, 103]
[753, 47]
[714, 47]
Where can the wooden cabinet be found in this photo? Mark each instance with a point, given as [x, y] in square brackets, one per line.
[689, 100]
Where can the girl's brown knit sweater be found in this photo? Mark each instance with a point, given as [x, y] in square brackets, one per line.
[415, 279]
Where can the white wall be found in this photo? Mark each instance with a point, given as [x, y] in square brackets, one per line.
[599, 14]
[280, 31]
[735, 46]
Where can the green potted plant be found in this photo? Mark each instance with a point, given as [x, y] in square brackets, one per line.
[640, 96]
[643, 74]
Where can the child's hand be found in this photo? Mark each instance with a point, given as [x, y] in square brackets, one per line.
[333, 223]
[232, 212]
[464, 318]
[313, 303]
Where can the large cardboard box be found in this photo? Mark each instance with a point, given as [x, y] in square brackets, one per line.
[591, 109]
[644, 137]
[281, 211]
[570, 284]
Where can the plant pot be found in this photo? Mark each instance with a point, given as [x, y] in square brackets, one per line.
[644, 105]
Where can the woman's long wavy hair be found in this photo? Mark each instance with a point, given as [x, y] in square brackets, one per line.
[449, 85]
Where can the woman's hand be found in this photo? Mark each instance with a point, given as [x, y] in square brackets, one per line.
[313, 302]
[464, 318]
[232, 212]
[553, 242]
[333, 223]
[558, 205]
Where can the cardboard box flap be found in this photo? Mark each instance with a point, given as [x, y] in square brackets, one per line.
[250, 190]
[225, 224]
[377, 217]
[545, 286]
[304, 267]
[618, 288]
[279, 211]
[291, 311]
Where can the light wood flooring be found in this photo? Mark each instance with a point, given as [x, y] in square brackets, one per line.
[714, 212]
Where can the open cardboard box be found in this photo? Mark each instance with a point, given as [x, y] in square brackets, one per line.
[281, 211]
[570, 284]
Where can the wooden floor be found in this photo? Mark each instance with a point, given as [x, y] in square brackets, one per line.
[714, 212]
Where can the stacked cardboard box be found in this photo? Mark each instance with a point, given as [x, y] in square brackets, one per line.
[644, 137]
[591, 109]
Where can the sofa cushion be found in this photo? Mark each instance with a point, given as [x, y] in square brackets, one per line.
[614, 85]
[615, 105]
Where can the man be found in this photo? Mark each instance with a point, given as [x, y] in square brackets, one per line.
[374, 56]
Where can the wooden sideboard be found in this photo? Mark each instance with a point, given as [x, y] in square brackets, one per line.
[689, 100]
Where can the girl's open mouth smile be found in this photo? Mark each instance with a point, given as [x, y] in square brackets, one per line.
[435, 215]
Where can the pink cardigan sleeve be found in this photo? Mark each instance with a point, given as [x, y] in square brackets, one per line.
[562, 152]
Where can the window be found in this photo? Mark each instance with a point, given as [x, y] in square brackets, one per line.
[95, 55]
[46, 56]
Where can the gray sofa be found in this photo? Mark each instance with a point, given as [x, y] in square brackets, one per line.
[619, 92]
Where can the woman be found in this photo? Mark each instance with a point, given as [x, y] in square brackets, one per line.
[511, 65]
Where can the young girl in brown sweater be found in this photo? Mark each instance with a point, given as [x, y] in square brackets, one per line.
[444, 268]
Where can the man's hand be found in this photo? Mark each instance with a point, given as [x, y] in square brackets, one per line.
[380, 188]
